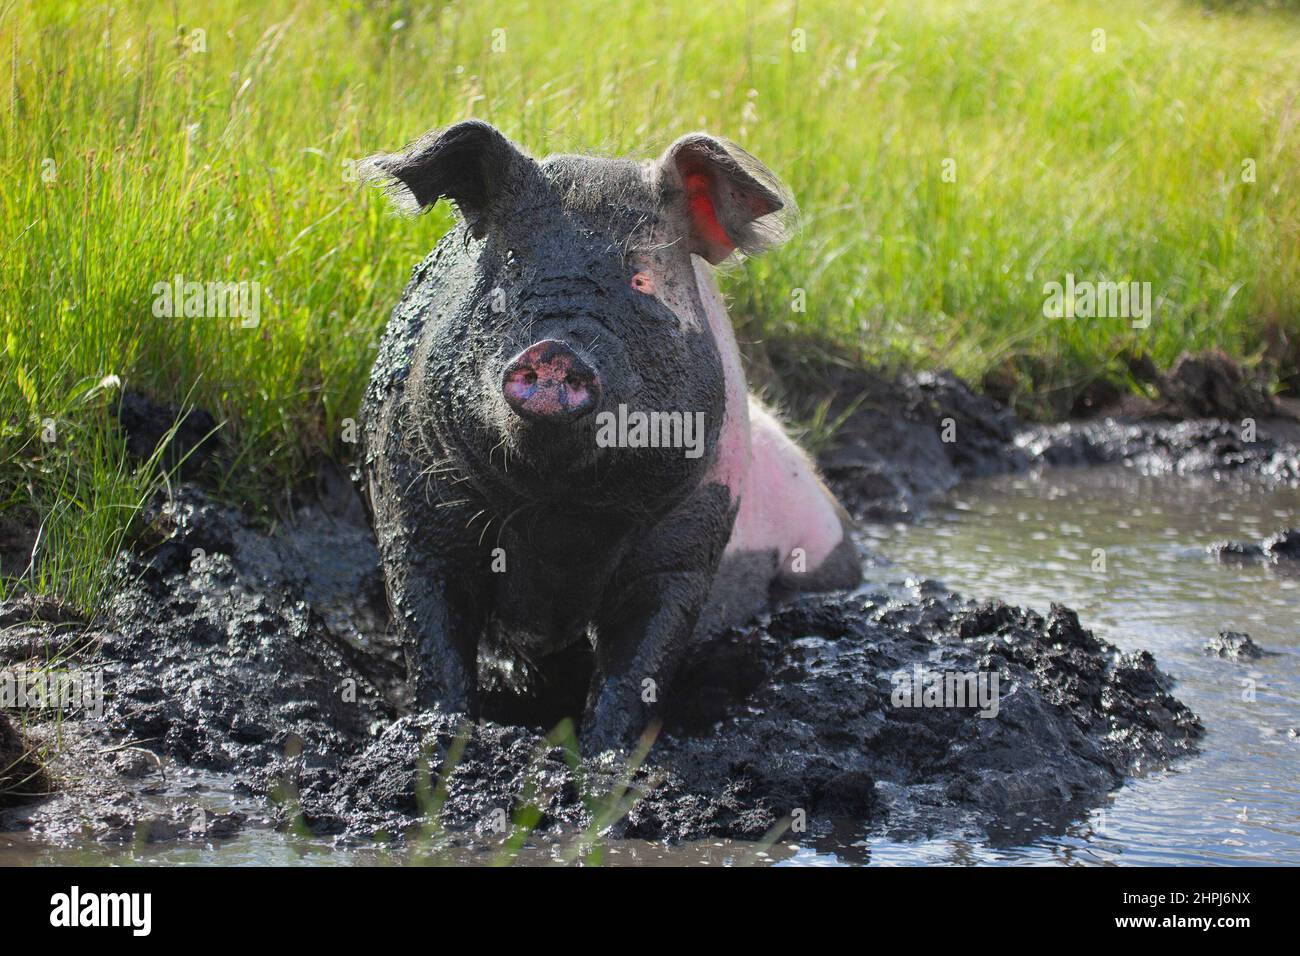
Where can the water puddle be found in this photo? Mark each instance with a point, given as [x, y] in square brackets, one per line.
[1034, 539]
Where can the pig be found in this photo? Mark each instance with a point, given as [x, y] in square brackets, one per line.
[514, 518]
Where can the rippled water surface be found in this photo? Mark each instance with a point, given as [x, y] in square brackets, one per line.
[1032, 540]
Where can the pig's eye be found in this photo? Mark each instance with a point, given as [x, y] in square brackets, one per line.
[644, 282]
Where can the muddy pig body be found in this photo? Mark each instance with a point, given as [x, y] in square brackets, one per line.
[562, 459]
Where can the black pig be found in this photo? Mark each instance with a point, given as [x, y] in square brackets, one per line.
[561, 455]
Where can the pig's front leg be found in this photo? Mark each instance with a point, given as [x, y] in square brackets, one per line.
[439, 634]
[428, 580]
[655, 599]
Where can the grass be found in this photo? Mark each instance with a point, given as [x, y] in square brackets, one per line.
[134, 148]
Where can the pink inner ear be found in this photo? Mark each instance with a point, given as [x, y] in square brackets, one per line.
[704, 217]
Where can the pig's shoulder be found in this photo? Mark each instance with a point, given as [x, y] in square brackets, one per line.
[422, 300]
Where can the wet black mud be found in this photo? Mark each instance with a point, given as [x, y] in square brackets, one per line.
[188, 437]
[1281, 550]
[1234, 646]
[904, 440]
[22, 774]
[262, 660]
[219, 660]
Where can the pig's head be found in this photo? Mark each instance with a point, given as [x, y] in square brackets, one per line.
[578, 293]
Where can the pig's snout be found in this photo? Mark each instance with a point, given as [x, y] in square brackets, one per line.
[549, 382]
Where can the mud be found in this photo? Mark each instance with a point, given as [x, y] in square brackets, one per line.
[903, 440]
[22, 776]
[254, 656]
[187, 437]
[794, 714]
[1235, 646]
[252, 680]
[1281, 549]
[17, 538]
[1213, 385]
[889, 455]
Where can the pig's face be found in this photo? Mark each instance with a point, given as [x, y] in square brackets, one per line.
[584, 304]
[584, 309]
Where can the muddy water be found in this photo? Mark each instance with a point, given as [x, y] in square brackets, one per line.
[1028, 540]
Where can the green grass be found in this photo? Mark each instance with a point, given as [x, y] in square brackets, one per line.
[231, 164]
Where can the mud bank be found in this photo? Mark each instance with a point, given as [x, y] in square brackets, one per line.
[904, 440]
[22, 776]
[252, 681]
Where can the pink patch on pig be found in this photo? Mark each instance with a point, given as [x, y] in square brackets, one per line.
[785, 505]
[732, 463]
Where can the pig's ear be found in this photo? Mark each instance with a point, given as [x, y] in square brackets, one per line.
[729, 199]
[470, 163]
